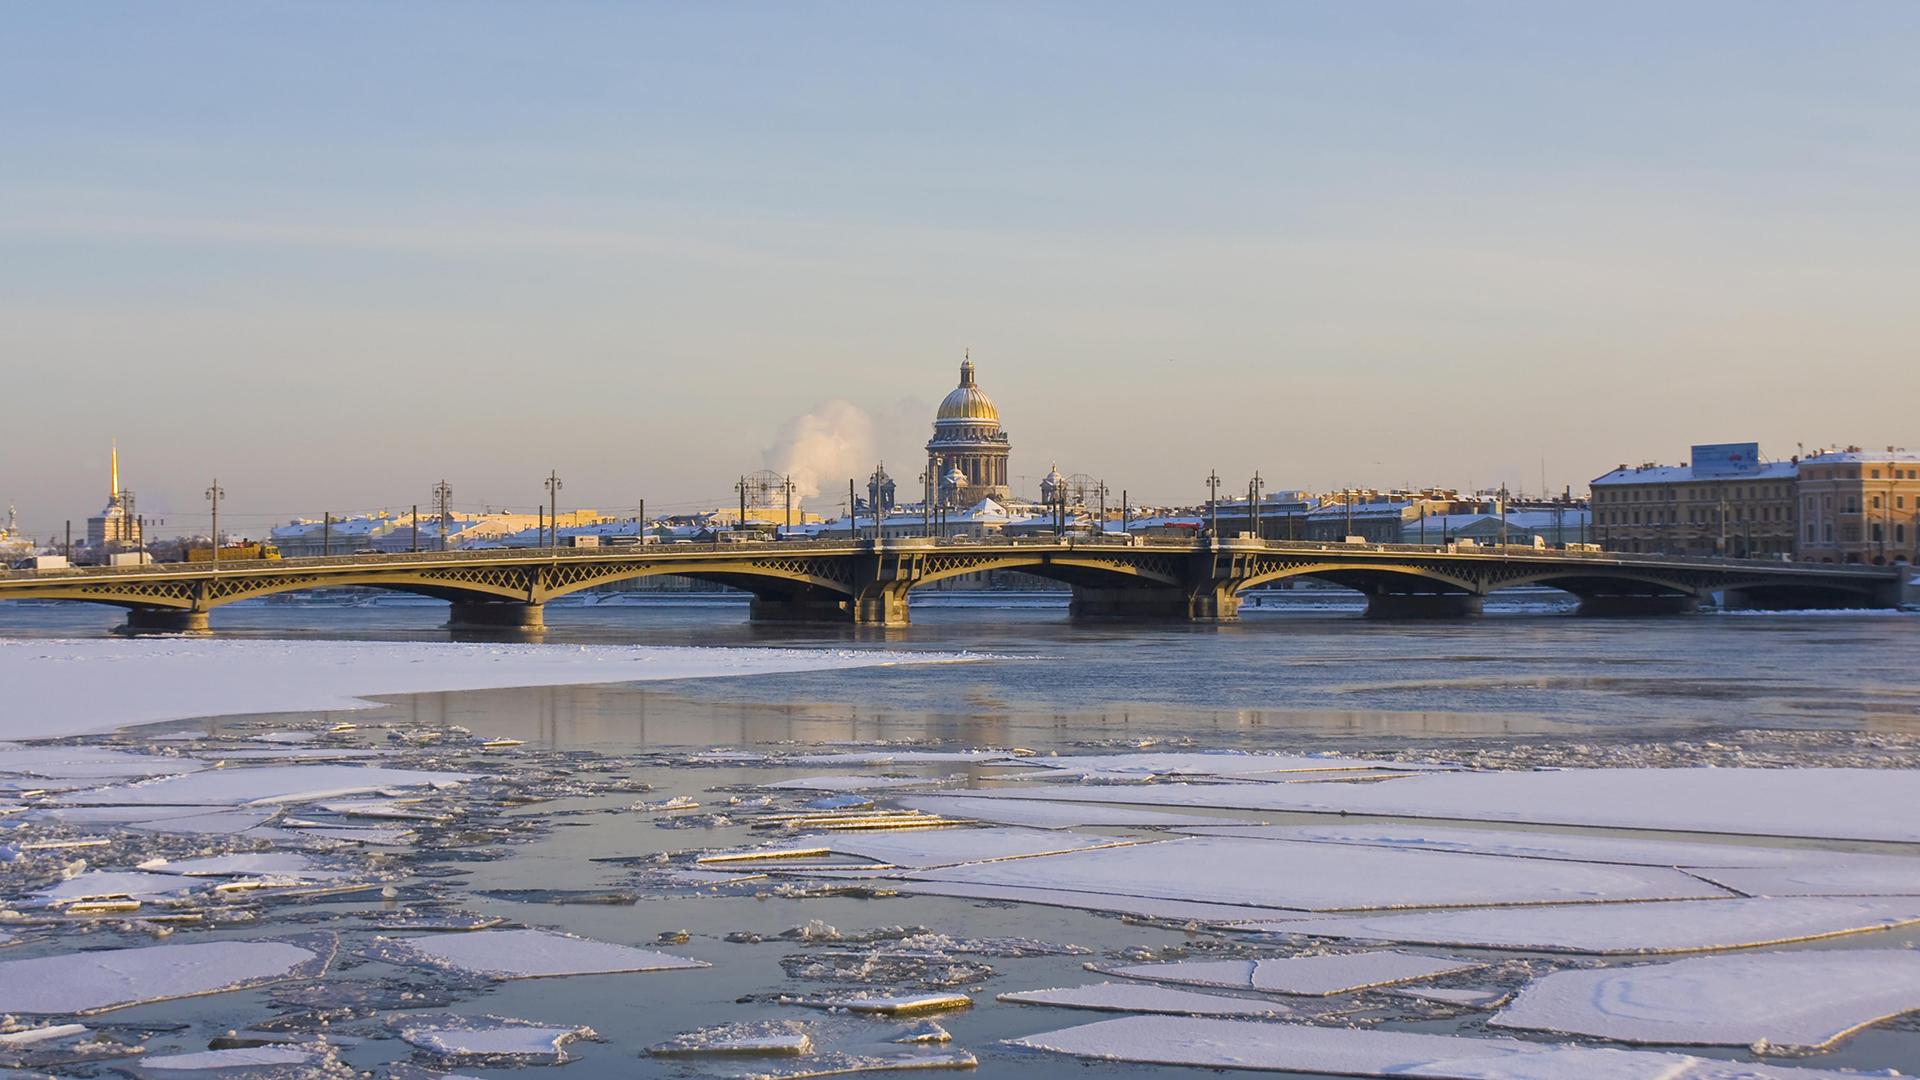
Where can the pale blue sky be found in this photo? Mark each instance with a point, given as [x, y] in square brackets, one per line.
[336, 251]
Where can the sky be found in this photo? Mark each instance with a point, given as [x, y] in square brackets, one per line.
[332, 253]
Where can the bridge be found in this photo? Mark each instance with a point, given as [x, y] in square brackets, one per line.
[868, 582]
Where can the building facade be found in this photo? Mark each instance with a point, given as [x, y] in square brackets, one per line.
[1860, 506]
[1725, 501]
[969, 450]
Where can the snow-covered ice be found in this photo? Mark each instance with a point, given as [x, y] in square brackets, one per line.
[856, 783]
[1620, 929]
[1146, 907]
[89, 762]
[1791, 1001]
[1133, 997]
[1840, 804]
[524, 954]
[275, 864]
[1568, 847]
[884, 1004]
[1308, 976]
[1326, 877]
[99, 980]
[485, 1037]
[946, 847]
[1223, 763]
[746, 1037]
[265, 784]
[249, 1057]
[1050, 815]
[83, 685]
[1282, 1047]
[1843, 875]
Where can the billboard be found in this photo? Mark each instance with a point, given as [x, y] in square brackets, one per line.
[1726, 459]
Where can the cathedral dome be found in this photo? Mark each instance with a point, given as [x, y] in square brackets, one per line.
[967, 403]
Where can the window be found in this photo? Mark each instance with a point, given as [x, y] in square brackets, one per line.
[1810, 536]
[1876, 502]
[1874, 475]
[1879, 535]
[1829, 536]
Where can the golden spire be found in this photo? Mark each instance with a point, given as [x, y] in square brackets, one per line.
[115, 491]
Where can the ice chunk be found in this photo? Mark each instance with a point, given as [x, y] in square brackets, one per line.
[901, 757]
[75, 686]
[524, 954]
[97, 981]
[873, 1059]
[1132, 997]
[1677, 927]
[250, 1057]
[105, 884]
[1050, 815]
[1839, 804]
[1298, 1048]
[886, 1004]
[1466, 997]
[275, 864]
[1307, 976]
[751, 1037]
[1222, 763]
[490, 1037]
[1568, 847]
[14, 1040]
[1325, 877]
[1793, 1001]
[942, 847]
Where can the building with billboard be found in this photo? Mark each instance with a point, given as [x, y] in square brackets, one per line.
[1726, 501]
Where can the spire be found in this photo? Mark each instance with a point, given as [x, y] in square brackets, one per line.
[966, 369]
[114, 492]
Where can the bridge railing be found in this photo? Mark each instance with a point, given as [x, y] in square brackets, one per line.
[837, 546]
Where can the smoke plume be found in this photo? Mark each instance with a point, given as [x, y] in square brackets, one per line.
[822, 448]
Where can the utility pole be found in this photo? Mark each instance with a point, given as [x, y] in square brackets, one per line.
[786, 486]
[1253, 503]
[326, 533]
[540, 518]
[853, 512]
[553, 506]
[415, 519]
[1503, 515]
[643, 521]
[740, 522]
[69, 544]
[1126, 524]
[1349, 494]
[214, 495]
[1103, 509]
[1213, 503]
[443, 495]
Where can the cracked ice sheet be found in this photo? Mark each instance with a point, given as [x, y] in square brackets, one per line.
[81, 686]
[1567, 847]
[266, 784]
[1845, 875]
[1281, 1047]
[1132, 997]
[278, 864]
[1325, 877]
[97, 981]
[89, 762]
[1224, 763]
[489, 1037]
[1051, 815]
[251, 1057]
[946, 847]
[1618, 929]
[1794, 1001]
[857, 783]
[1837, 804]
[1145, 907]
[524, 954]
[1308, 976]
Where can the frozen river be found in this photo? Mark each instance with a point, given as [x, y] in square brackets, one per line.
[589, 810]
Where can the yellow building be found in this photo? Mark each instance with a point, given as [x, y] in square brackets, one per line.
[1860, 506]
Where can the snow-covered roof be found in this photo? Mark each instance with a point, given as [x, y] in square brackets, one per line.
[1842, 457]
[1683, 474]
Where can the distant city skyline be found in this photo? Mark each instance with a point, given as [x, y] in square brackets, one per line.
[333, 254]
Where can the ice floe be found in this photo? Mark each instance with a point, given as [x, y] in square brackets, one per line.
[1620, 929]
[89, 762]
[524, 954]
[885, 1004]
[213, 1061]
[1567, 847]
[1849, 875]
[1201, 1042]
[1051, 815]
[1325, 877]
[264, 784]
[1307, 976]
[97, 981]
[491, 1038]
[84, 685]
[941, 847]
[747, 1037]
[1840, 804]
[1145, 907]
[1790, 1001]
[1135, 998]
[857, 783]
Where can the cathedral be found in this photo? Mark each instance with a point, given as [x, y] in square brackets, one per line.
[968, 451]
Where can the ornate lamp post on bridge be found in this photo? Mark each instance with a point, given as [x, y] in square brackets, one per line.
[214, 495]
[553, 507]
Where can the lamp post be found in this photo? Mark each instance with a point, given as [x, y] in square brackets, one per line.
[553, 507]
[1253, 503]
[443, 496]
[214, 495]
[1213, 504]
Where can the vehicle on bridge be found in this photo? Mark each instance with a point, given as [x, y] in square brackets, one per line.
[248, 552]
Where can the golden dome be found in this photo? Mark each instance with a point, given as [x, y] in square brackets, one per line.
[967, 403]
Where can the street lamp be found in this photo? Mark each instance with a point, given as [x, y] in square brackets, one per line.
[553, 507]
[214, 495]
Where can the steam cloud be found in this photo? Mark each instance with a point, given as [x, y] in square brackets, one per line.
[824, 447]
